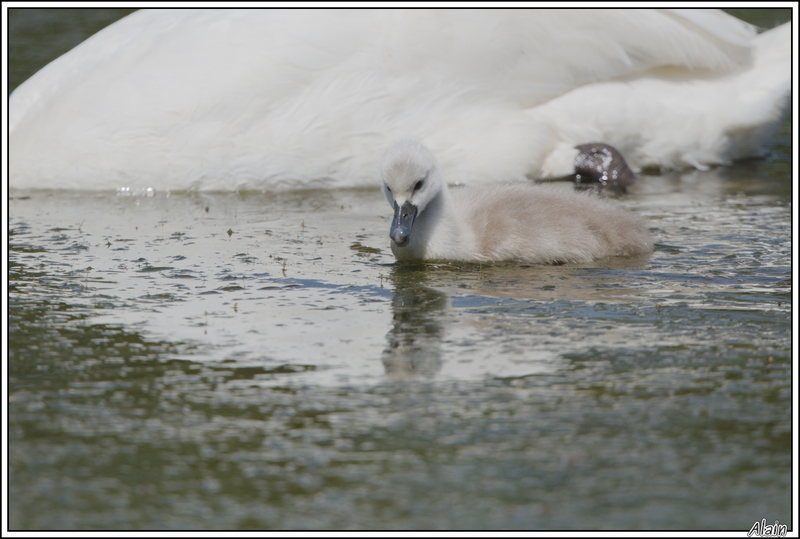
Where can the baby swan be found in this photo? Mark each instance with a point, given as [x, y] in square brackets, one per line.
[527, 223]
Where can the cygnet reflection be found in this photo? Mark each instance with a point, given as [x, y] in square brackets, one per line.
[414, 343]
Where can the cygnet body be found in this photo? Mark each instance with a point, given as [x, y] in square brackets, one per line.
[529, 223]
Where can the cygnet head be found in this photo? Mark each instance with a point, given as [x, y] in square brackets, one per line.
[411, 180]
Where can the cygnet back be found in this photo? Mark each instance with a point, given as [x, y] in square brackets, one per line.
[543, 224]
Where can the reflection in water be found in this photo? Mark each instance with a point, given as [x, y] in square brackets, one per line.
[414, 342]
[608, 279]
[429, 300]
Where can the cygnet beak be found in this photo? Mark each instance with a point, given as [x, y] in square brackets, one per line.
[403, 221]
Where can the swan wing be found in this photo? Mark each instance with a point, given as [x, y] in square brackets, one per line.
[224, 99]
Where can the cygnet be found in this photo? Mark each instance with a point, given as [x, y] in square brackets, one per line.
[528, 223]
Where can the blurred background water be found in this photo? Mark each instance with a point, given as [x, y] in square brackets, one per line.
[258, 360]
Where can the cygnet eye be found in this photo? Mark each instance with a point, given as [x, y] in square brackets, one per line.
[419, 184]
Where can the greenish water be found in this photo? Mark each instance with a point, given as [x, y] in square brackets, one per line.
[258, 360]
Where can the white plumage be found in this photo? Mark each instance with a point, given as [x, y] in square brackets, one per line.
[492, 223]
[268, 99]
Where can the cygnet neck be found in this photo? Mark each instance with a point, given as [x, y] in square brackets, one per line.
[443, 232]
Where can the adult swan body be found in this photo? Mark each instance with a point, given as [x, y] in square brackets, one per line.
[270, 99]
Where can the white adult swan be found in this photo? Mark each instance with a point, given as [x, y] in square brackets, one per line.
[264, 99]
[494, 223]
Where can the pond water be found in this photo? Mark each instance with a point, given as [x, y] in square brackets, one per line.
[259, 361]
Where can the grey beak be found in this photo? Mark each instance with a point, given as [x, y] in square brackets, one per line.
[403, 221]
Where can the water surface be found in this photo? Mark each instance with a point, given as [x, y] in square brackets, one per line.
[259, 360]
